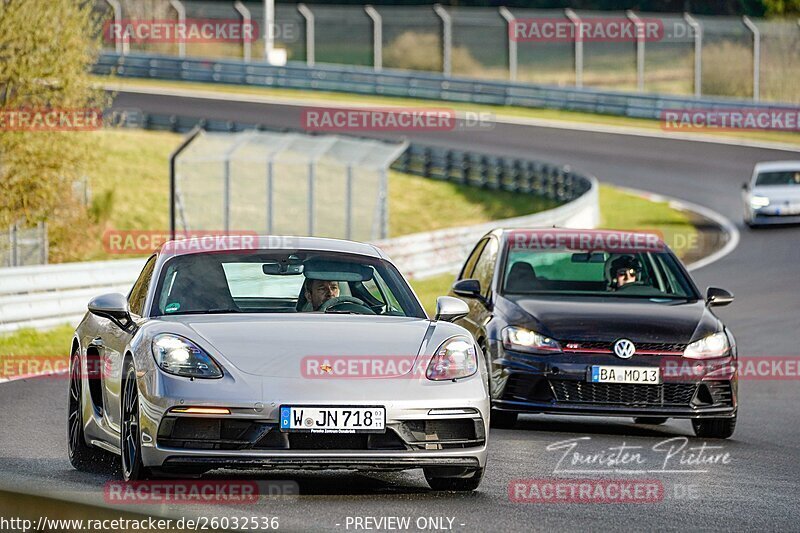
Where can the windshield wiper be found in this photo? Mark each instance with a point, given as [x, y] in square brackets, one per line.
[214, 311]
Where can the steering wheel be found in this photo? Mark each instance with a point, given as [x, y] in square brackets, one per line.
[346, 303]
[633, 284]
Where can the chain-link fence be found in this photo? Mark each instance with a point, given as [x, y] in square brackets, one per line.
[284, 184]
[24, 246]
[714, 56]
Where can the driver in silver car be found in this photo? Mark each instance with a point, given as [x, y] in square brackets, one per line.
[318, 292]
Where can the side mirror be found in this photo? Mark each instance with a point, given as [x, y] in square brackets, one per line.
[745, 186]
[450, 309]
[113, 306]
[468, 288]
[716, 297]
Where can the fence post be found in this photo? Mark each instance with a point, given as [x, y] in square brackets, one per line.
[384, 204]
[349, 203]
[640, 41]
[311, 169]
[698, 53]
[756, 57]
[447, 39]
[512, 43]
[12, 241]
[173, 160]
[576, 21]
[43, 243]
[308, 15]
[377, 37]
[118, 24]
[178, 7]
[247, 43]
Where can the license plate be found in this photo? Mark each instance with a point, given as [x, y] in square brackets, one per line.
[321, 419]
[644, 375]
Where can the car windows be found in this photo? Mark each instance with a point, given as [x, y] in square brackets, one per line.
[469, 265]
[138, 294]
[272, 282]
[484, 267]
[556, 271]
[778, 178]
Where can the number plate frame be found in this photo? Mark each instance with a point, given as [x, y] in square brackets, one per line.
[285, 424]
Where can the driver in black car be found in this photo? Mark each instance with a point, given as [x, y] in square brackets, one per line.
[624, 269]
[318, 292]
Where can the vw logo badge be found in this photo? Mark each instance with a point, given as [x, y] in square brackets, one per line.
[624, 349]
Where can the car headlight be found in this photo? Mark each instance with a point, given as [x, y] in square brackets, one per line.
[182, 357]
[455, 358]
[758, 201]
[715, 345]
[525, 340]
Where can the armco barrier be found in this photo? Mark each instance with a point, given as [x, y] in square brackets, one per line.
[50, 295]
[409, 84]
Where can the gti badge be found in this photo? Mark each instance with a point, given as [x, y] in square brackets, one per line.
[624, 349]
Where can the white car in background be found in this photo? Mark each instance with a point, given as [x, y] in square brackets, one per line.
[773, 194]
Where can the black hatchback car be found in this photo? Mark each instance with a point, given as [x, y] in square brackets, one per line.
[599, 323]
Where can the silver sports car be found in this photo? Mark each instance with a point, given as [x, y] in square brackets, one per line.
[312, 353]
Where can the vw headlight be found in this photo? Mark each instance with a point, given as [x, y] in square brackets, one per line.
[182, 357]
[715, 345]
[525, 340]
[757, 202]
[455, 358]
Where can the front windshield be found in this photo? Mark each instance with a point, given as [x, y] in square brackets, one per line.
[789, 177]
[282, 282]
[595, 273]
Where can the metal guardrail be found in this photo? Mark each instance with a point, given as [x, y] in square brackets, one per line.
[399, 83]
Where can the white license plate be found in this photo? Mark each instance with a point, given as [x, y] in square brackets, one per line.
[644, 375]
[322, 419]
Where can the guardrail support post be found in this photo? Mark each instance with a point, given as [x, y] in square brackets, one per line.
[247, 41]
[576, 21]
[512, 43]
[348, 206]
[308, 15]
[43, 242]
[698, 53]
[756, 57]
[311, 169]
[118, 23]
[640, 41]
[377, 37]
[178, 7]
[447, 38]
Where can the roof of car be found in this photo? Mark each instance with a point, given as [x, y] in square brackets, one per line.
[250, 242]
[777, 166]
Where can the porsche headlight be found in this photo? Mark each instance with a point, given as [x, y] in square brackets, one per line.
[715, 345]
[455, 358]
[759, 201]
[180, 356]
[525, 340]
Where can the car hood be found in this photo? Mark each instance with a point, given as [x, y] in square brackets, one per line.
[275, 345]
[778, 192]
[608, 319]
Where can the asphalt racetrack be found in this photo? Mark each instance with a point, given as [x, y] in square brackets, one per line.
[755, 488]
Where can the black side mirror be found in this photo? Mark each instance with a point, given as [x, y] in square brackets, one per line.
[468, 288]
[113, 306]
[745, 186]
[716, 297]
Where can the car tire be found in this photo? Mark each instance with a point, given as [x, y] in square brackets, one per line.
[650, 420]
[82, 456]
[438, 479]
[503, 419]
[714, 428]
[130, 436]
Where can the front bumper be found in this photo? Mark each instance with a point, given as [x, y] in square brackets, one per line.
[558, 384]
[440, 425]
[770, 216]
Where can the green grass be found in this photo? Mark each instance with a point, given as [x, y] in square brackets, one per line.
[31, 342]
[499, 111]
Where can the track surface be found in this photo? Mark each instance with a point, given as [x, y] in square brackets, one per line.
[757, 489]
